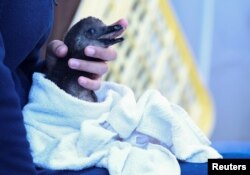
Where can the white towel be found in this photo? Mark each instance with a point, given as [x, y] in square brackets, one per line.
[119, 133]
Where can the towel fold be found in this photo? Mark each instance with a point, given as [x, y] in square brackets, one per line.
[120, 133]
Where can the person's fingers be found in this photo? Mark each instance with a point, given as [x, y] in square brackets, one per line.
[98, 68]
[57, 48]
[105, 54]
[122, 22]
[89, 83]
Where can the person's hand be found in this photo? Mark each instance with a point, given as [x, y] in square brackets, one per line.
[59, 49]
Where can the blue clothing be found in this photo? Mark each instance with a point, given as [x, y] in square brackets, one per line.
[24, 27]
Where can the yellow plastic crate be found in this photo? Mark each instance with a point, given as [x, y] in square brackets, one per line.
[154, 54]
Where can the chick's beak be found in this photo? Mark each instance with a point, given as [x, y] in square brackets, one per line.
[110, 35]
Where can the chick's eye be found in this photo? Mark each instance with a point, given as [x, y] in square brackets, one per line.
[91, 31]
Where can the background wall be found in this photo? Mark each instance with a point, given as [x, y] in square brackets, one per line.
[219, 35]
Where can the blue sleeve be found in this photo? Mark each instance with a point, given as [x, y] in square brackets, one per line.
[15, 157]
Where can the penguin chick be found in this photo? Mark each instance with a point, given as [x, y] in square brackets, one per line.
[88, 31]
